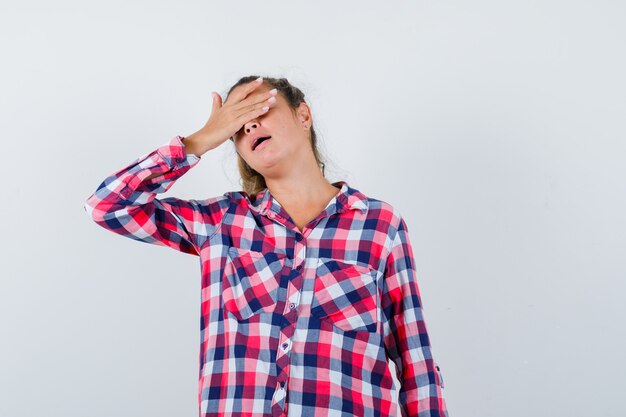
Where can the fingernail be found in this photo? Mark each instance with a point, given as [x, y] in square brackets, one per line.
[273, 91]
[259, 79]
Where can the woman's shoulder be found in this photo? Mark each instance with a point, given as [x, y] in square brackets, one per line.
[238, 196]
[382, 210]
[380, 206]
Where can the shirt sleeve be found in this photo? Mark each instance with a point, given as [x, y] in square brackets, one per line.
[405, 334]
[126, 203]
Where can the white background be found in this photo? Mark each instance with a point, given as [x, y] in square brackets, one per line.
[496, 128]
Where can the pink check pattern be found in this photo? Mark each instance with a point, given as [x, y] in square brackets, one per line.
[293, 322]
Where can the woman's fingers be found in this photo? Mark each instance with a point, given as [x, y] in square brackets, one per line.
[253, 111]
[243, 104]
[241, 91]
[217, 99]
[243, 99]
[256, 101]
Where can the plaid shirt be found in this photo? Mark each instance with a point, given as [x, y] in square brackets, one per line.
[293, 323]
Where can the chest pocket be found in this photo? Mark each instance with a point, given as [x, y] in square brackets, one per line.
[345, 295]
[251, 281]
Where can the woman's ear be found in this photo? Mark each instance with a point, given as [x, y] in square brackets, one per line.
[304, 114]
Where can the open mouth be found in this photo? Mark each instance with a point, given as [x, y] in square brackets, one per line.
[259, 141]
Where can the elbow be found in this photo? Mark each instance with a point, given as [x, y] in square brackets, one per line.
[98, 209]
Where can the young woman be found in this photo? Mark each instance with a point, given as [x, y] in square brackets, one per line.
[308, 287]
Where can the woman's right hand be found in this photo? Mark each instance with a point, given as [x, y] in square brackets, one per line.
[227, 119]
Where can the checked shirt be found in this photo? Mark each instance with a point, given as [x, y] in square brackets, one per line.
[298, 323]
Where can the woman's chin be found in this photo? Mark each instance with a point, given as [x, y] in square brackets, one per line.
[274, 166]
[268, 156]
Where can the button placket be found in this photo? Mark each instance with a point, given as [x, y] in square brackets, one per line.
[285, 346]
[290, 313]
[292, 304]
[299, 251]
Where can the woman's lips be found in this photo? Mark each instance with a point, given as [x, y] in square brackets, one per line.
[262, 144]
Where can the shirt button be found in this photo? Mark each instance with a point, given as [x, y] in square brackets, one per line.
[282, 384]
[285, 345]
[292, 306]
[299, 267]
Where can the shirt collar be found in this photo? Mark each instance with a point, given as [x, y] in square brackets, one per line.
[348, 198]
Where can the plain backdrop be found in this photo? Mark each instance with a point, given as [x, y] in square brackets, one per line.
[496, 128]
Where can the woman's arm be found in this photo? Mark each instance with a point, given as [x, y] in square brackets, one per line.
[125, 202]
[405, 334]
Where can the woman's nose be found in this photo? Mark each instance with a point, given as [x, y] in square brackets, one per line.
[251, 124]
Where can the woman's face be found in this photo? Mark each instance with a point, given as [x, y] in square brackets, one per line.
[289, 138]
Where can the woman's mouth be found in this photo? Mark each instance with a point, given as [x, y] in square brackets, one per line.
[258, 144]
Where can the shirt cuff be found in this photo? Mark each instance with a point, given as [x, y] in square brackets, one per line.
[191, 158]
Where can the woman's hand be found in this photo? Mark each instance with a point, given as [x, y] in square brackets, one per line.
[227, 119]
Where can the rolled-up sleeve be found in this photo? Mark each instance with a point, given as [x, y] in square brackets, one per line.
[406, 337]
